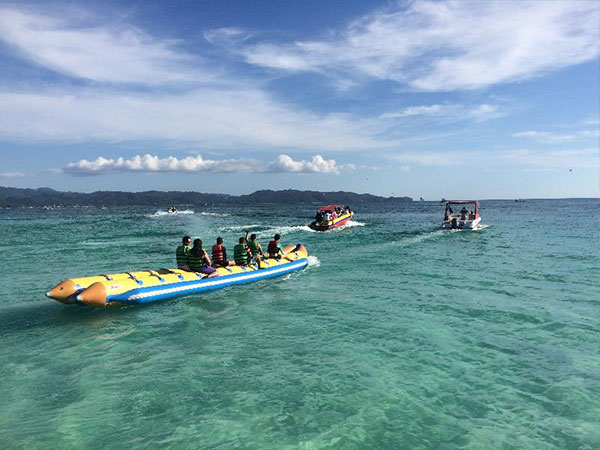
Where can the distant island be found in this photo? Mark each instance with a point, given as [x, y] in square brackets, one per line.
[17, 197]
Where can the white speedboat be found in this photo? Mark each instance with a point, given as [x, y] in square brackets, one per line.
[467, 218]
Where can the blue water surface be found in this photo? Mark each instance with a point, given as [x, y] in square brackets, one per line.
[398, 334]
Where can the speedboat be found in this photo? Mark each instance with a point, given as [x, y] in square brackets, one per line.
[467, 218]
[331, 216]
[172, 210]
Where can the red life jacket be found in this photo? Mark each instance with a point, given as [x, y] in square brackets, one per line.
[217, 253]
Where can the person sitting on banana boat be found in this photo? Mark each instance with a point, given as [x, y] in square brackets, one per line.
[199, 261]
[181, 253]
[275, 250]
[219, 255]
[241, 253]
[255, 249]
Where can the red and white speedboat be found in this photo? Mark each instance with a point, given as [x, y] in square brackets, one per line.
[331, 216]
[465, 218]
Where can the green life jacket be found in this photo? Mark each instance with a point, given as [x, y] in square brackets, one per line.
[253, 246]
[196, 262]
[181, 255]
[240, 254]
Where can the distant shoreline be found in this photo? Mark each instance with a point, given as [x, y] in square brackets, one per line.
[17, 197]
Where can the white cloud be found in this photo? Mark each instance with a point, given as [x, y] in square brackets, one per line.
[196, 164]
[586, 158]
[547, 137]
[207, 118]
[423, 110]
[226, 35]
[151, 163]
[12, 175]
[448, 111]
[113, 53]
[318, 164]
[433, 158]
[523, 158]
[444, 46]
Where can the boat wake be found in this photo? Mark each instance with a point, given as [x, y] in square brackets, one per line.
[419, 237]
[313, 261]
[267, 232]
[165, 213]
[288, 229]
[213, 214]
[349, 224]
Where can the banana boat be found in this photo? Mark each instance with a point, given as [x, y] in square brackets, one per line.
[153, 285]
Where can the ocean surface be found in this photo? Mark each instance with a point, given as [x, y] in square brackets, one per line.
[397, 336]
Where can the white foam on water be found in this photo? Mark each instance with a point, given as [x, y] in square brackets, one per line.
[349, 224]
[287, 229]
[166, 213]
[238, 228]
[213, 214]
[313, 261]
[420, 238]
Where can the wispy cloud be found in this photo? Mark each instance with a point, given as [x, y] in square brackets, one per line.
[12, 175]
[445, 46]
[208, 118]
[196, 164]
[448, 111]
[547, 137]
[521, 158]
[585, 158]
[112, 53]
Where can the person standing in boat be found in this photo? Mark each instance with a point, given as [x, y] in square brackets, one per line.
[181, 253]
[463, 213]
[219, 255]
[199, 260]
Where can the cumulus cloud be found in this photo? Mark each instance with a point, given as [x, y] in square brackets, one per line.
[318, 164]
[196, 164]
[113, 53]
[445, 46]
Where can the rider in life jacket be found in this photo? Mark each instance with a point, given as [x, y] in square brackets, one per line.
[256, 249]
[219, 254]
[241, 253]
[182, 252]
[275, 250]
[199, 260]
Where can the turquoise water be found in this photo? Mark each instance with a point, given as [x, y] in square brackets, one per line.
[398, 335]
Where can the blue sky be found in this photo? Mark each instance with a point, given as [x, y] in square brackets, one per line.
[455, 99]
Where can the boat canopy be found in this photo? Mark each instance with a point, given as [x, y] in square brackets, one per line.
[462, 202]
[329, 207]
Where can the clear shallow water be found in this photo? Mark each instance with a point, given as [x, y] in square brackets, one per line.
[399, 335]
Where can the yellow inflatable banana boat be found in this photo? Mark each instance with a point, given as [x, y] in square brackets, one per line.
[151, 285]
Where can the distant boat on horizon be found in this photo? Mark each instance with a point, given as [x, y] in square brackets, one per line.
[421, 199]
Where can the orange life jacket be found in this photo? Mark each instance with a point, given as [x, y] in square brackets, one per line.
[217, 253]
